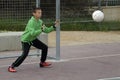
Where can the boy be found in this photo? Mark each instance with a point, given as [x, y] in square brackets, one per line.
[29, 38]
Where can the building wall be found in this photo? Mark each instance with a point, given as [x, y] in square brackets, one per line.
[112, 13]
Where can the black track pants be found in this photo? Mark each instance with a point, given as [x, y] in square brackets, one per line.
[26, 47]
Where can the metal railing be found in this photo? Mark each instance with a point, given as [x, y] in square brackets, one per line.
[111, 2]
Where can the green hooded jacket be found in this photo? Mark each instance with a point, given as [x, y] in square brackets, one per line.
[34, 29]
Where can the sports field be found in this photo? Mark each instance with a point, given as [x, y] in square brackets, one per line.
[84, 56]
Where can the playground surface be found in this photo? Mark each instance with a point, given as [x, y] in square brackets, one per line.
[84, 56]
[79, 62]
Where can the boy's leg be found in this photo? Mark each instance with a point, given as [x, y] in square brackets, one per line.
[25, 48]
[40, 45]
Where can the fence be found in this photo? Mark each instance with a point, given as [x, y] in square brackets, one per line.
[15, 10]
[110, 2]
[15, 13]
[17, 17]
[75, 15]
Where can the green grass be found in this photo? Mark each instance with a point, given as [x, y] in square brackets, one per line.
[19, 25]
[16, 25]
[91, 26]
[12, 27]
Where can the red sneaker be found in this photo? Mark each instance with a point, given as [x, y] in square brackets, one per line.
[45, 64]
[11, 69]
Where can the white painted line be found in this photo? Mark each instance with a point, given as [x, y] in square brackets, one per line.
[84, 58]
[62, 60]
[34, 63]
[114, 78]
[71, 59]
[92, 57]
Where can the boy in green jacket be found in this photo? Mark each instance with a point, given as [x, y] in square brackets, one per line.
[34, 28]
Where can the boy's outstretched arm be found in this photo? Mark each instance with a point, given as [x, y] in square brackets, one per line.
[49, 29]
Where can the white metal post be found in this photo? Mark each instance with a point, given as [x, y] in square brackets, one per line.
[58, 30]
[37, 3]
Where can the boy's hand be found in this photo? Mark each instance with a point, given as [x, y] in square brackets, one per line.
[57, 23]
[43, 27]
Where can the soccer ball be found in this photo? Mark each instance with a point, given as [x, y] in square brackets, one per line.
[98, 16]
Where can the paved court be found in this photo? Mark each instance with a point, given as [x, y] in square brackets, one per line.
[80, 62]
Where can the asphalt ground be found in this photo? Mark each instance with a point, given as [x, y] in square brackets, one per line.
[80, 62]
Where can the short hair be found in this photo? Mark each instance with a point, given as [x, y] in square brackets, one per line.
[35, 8]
